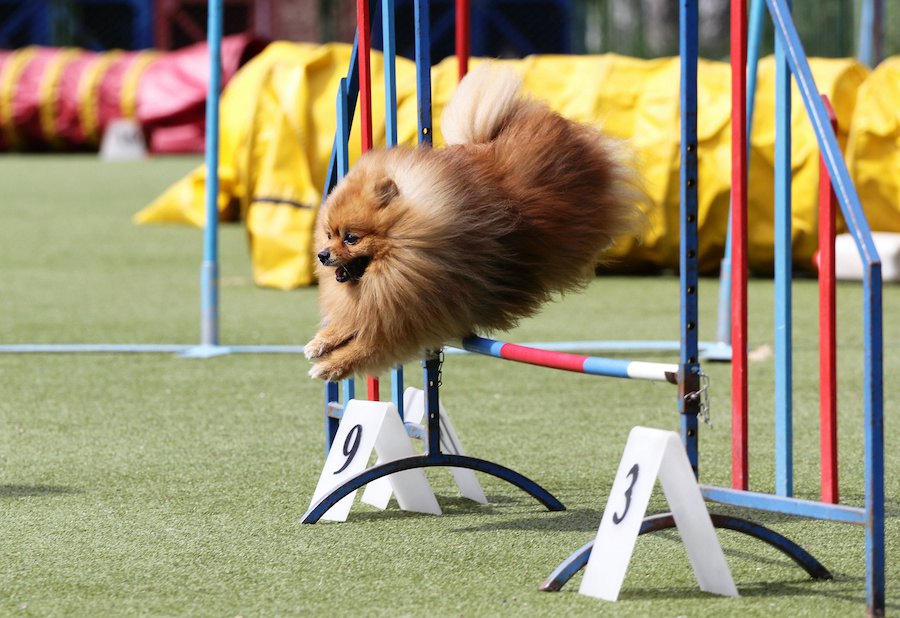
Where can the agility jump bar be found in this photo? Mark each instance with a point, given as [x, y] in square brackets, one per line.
[578, 363]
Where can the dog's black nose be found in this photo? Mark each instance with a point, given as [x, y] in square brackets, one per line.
[324, 256]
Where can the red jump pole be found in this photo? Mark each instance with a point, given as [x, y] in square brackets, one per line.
[739, 460]
[827, 329]
[364, 32]
[463, 36]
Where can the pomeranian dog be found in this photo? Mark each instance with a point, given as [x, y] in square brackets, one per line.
[420, 246]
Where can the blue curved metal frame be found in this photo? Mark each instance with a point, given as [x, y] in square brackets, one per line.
[574, 563]
[429, 461]
[433, 456]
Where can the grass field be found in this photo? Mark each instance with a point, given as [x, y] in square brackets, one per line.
[160, 486]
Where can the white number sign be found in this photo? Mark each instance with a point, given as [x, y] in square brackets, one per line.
[378, 493]
[368, 426]
[651, 454]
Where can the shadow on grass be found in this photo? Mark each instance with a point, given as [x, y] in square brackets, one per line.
[766, 589]
[804, 588]
[574, 520]
[891, 506]
[450, 505]
[34, 491]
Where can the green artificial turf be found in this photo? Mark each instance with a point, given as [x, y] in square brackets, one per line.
[148, 484]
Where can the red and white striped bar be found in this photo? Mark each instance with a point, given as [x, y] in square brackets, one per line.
[593, 365]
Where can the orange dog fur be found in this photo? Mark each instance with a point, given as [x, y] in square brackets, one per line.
[423, 246]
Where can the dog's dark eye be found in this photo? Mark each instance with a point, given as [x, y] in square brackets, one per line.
[328, 235]
[350, 238]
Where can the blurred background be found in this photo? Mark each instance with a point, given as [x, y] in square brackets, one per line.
[500, 28]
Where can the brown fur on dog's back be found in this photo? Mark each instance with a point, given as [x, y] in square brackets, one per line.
[470, 238]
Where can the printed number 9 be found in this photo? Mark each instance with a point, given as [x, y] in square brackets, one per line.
[354, 436]
[633, 473]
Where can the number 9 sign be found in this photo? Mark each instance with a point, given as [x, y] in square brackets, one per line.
[351, 446]
[369, 426]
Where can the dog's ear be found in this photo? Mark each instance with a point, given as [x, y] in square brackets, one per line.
[385, 191]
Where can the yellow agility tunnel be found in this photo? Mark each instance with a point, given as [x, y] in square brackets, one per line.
[278, 123]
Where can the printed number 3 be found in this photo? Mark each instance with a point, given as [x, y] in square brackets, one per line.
[354, 436]
[633, 473]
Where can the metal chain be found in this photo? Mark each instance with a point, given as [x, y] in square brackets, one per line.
[703, 414]
[703, 396]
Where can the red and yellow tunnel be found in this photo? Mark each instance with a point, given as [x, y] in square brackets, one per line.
[63, 98]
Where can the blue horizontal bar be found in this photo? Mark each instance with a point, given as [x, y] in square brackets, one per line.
[139, 348]
[39, 348]
[784, 505]
[612, 367]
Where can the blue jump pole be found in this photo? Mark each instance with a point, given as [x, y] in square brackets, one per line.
[209, 327]
[870, 40]
[423, 71]
[689, 366]
[209, 269]
[784, 482]
[389, 49]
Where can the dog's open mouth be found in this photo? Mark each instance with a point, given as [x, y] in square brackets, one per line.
[352, 271]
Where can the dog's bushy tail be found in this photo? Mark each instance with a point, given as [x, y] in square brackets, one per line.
[481, 105]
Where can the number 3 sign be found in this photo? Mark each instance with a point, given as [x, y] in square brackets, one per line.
[368, 425]
[651, 454]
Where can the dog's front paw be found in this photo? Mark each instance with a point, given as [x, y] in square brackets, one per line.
[324, 343]
[328, 371]
[315, 348]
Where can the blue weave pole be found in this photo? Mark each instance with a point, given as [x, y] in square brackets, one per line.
[422, 18]
[783, 277]
[389, 48]
[870, 46]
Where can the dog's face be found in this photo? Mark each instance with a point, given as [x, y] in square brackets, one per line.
[354, 227]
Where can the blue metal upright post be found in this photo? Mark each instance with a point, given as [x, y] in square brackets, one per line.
[389, 48]
[784, 483]
[689, 366]
[423, 70]
[331, 423]
[209, 278]
[874, 439]
[870, 39]
[389, 45]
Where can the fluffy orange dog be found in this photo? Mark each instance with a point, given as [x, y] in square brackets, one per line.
[422, 246]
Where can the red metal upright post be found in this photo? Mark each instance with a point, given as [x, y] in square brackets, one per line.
[463, 36]
[364, 32]
[364, 29]
[827, 330]
[739, 461]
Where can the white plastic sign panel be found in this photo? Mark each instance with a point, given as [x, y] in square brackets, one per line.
[651, 454]
[378, 493]
[368, 426]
